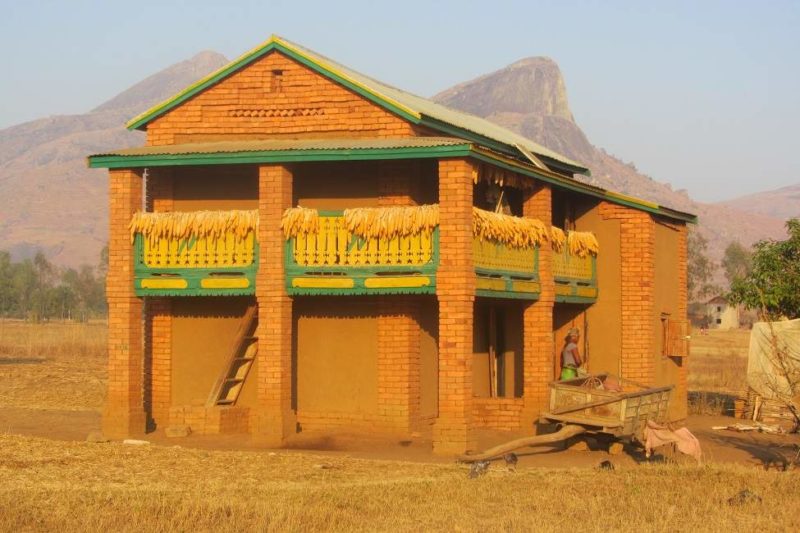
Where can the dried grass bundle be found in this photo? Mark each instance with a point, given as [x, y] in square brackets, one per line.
[299, 221]
[194, 224]
[557, 238]
[517, 232]
[582, 243]
[389, 222]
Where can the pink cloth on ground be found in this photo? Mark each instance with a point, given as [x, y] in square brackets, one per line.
[656, 435]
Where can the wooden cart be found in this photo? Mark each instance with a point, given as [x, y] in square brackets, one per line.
[605, 403]
[594, 404]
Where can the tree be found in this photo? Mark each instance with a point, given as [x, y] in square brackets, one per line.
[772, 287]
[737, 262]
[700, 268]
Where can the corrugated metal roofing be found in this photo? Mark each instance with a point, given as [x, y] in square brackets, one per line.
[274, 145]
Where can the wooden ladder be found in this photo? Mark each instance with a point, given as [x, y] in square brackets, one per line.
[229, 385]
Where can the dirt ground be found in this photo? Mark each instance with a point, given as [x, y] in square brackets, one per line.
[52, 377]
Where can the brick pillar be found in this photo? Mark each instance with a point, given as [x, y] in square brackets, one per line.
[398, 363]
[681, 390]
[398, 332]
[159, 323]
[158, 311]
[455, 289]
[123, 413]
[538, 343]
[637, 251]
[274, 419]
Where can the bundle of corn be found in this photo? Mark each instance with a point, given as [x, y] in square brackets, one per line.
[504, 178]
[517, 232]
[557, 239]
[299, 221]
[193, 224]
[390, 222]
[582, 243]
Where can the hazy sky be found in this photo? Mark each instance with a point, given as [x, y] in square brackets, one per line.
[704, 95]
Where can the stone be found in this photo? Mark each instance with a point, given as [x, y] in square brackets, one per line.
[579, 446]
[97, 437]
[136, 442]
[178, 431]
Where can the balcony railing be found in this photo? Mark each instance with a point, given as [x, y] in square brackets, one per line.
[575, 276]
[503, 270]
[195, 254]
[334, 261]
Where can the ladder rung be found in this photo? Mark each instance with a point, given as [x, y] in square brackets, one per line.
[251, 338]
[234, 380]
[244, 359]
[224, 401]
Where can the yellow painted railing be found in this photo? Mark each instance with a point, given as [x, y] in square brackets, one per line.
[573, 267]
[334, 246]
[226, 251]
[488, 255]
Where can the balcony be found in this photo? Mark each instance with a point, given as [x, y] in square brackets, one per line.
[575, 268]
[327, 258]
[203, 253]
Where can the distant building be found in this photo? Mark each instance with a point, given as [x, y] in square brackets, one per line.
[721, 314]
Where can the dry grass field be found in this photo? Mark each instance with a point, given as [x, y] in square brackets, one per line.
[52, 366]
[116, 487]
[69, 486]
[718, 361]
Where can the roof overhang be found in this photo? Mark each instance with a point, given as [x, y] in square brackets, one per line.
[332, 150]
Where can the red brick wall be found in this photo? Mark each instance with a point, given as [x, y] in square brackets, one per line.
[247, 104]
[123, 414]
[538, 347]
[683, 312]
[638, 277]
[497, 413]
[273, 419]
[398, 331]
[456, 293]
[159, 324]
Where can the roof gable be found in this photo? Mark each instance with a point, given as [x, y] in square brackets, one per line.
[415, 109]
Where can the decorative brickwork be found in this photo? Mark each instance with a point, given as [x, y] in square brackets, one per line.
[455, 289]
[306, 104]
[123, 414]
[273, 419]
[538, 343]
[637, 236]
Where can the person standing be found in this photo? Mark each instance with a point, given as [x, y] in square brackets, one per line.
[570, 355]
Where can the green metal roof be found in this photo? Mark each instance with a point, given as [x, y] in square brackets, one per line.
[414, 108]
[365, 149]
[271, 145]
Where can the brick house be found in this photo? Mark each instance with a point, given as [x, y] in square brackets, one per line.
[225, 316]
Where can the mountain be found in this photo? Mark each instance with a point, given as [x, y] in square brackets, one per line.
[49, 200]
[530, 97]
[783, 203]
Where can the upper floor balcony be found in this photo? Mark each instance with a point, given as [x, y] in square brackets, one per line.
[199, 253]
[391, 250]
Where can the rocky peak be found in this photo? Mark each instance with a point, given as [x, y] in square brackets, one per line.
[533, 85]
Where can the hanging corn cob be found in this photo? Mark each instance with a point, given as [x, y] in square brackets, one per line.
[517, 232]
[299, 220]
[390, 222]
[557, 239]
[193, 224]
[582, 243]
